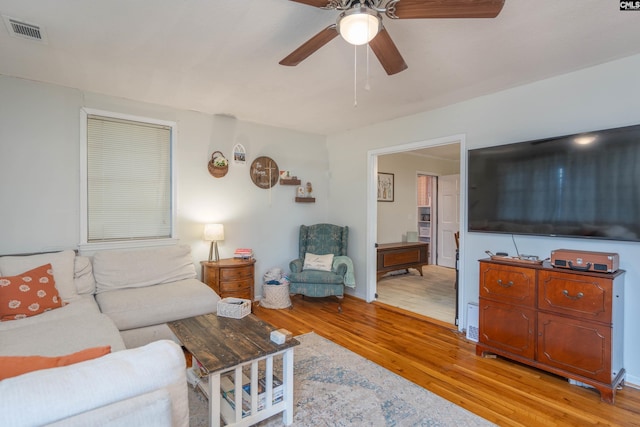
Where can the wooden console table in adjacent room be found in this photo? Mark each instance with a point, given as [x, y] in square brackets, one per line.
[401, 256]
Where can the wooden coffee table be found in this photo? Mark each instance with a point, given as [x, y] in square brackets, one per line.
[222, 345]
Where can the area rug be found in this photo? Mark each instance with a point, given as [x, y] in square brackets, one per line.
[335, 387]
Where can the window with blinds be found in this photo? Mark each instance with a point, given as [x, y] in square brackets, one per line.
[128, 179]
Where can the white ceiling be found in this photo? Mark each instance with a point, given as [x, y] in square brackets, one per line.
[221, 57]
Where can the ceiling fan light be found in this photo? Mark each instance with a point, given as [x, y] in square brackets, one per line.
[359, 25]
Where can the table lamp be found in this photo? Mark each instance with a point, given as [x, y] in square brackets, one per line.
[213, 233]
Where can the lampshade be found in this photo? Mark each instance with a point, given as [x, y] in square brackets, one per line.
[213, 232]
[359, 25]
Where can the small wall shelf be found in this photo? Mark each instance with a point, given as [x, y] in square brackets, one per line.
[305, 199]
[289, 181]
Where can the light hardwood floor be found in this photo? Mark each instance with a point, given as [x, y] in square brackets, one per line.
[433, 294]
[441, 360]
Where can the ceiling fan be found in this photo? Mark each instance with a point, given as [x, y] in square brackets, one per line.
[361, 22]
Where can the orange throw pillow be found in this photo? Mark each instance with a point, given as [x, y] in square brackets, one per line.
[12, 366]
[28, 294]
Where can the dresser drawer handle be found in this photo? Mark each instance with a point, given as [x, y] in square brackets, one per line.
[507, 285]
[578, 296]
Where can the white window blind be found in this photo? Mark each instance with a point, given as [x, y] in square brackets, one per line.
[129, 184]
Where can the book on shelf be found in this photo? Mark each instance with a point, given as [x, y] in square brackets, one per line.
[277, 391]
[228, 398]
[198, 369]
[228, 395]
[243, 253]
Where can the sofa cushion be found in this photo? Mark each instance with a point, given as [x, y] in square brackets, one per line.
[142, 336]
[140, 268]
[139, 307]
[147, 410]
[85, 304]
[12, 366]
[28, 294]
[61, 336]
[83, 276]
[51, 395]
[62, 263]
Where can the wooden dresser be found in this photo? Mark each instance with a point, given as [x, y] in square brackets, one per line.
[566, 322]
[401, 256]
[231, 277]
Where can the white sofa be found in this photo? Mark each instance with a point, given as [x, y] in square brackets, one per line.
[118, 298]
[144, 386]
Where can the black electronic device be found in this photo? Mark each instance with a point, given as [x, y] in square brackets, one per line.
[583, 185]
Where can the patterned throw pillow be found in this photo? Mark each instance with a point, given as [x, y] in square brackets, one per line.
[317, 262]
[28, 294]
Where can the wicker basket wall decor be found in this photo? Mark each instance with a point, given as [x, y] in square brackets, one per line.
[218, 165]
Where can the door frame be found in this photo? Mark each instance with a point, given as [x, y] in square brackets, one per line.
[372, 209]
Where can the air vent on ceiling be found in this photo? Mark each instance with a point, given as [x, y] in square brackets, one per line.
[25, 30]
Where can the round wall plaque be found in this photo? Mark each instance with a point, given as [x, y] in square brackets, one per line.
[264, 172]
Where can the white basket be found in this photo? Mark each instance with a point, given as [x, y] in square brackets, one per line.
[275, 296]
[236, 308]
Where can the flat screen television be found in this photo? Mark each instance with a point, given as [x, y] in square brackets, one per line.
[583, 185]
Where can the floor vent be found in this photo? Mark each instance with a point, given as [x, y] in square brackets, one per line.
[25, 30]
[473, 331]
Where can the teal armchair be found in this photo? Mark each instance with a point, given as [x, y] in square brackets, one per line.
[322, 239]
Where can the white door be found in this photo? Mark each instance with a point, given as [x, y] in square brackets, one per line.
[448, 218]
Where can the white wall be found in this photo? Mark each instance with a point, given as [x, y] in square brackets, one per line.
[39, 171]
[397, 217]
[39, 175]
[604, 96]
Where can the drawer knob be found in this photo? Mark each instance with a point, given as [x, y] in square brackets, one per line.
[573, 297]
[505, 285]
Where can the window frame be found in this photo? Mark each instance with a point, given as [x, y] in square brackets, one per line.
[84, 187]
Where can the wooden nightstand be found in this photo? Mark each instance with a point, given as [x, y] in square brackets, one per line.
[230, 277]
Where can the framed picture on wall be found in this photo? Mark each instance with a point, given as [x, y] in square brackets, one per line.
[239, 154]
[385, 187]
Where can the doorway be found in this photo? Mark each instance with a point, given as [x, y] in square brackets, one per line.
[448, 219]
[396, 288]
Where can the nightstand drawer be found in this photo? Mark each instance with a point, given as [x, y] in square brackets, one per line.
[236, 285]
[244, 294]
[231, 277]
[236, 273]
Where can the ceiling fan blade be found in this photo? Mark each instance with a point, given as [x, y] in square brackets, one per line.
[415, 9]
[316, 3]
[310, 46]
[387, 53]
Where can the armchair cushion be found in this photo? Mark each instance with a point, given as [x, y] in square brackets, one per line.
[316, 276]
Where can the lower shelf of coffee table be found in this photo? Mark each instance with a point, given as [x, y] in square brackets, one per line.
[274, 399]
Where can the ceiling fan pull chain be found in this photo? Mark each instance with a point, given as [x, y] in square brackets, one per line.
[355, 76]
[367, 85]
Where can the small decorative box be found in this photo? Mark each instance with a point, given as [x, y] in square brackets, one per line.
[236, 308]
